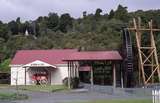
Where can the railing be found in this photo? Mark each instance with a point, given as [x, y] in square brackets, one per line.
[156, 96]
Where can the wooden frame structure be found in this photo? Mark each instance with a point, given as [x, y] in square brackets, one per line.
[73, 71]
[90, 58]
[147, 55]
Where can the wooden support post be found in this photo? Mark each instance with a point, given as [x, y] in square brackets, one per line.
[50, 73]
[152, 45]
[25, 76]
[139, 39]
[69, 80]
[139, 73]
[139, 50]
[152, 68]
[114, 75]
[74, 67]
[92, 83]
[122, 83]
[103, 72]
[155, 50]
[77, 70]
[71, 73]
[70, 69]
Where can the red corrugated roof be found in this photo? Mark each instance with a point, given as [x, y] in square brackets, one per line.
[60, 56]
[49, 56]
[94, 55]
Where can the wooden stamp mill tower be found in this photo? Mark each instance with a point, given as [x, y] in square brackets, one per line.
[147, 53]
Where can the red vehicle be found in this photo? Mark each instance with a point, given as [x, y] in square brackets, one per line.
[40, 79]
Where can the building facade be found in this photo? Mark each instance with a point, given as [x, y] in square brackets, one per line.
[44, 66]
[34, 67]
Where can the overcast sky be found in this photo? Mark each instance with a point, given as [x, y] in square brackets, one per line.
[31, 9]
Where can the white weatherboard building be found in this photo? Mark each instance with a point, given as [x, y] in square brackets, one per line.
[30, 65]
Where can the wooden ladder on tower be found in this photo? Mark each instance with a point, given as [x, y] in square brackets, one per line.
[128, 58]
[147, 55]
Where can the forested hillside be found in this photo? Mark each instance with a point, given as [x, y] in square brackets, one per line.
[97, 31]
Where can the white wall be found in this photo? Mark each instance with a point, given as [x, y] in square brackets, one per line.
[28, 77]
[59, 74]
[17, 71]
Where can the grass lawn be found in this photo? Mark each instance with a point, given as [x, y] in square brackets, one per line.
[5, 85]
[120, 101]
[44, 88]
[12, 96]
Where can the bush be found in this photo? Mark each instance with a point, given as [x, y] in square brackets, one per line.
[65, 81]
[74, 82]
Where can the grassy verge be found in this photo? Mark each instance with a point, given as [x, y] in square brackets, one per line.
[120, 101]
[12, 96]
[44, 88]
[5, 85]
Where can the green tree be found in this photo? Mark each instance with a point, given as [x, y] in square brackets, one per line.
[4, 31]
[121, 13]
[4, 66]
[65, 22]
[98, 12]
[13, 27]
[53, 21]
[111, 14]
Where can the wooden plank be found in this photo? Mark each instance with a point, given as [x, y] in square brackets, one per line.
[147, 47]
[150, 65]
[151, 75]
[143, 29]
[147, 59]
